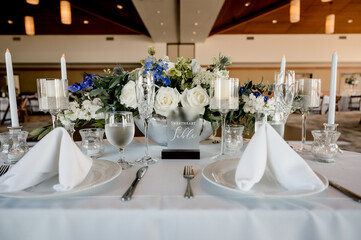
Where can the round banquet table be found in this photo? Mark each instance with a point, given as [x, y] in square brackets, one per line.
[158, 209]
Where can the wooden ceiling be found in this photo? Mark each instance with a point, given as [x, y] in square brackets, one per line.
[103, 15]
[236, 18]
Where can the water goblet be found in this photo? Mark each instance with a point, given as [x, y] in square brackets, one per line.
[119, 129]
[307, 95]
[284, 91]
[53, 96]
[145, 94]
[224, 95]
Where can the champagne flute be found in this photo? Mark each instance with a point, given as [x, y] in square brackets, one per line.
[119, 129]
[307, 95]
[224, 95]
[53, 96]
[145, 93]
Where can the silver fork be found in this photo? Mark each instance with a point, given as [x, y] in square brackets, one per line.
[3, 169]
[188, 174]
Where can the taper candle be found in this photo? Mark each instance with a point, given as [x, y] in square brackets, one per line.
[11, 90]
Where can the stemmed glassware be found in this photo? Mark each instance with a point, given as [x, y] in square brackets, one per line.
[119, 129]
[145, 93]
[307, 95]
[53, 96]
[284, 91]
[224, 95]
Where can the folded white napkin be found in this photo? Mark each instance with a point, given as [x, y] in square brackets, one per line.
[267, 152]
[55, 154]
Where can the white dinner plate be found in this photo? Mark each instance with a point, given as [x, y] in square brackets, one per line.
[101, 172]
[222, 174]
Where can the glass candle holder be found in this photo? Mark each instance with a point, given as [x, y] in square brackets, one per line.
[233, 139]
[13, 146]
[324, 147]
[92, 141]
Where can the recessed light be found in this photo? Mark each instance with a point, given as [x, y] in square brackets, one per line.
[198, 11]
[162, 23]
[274, 21]
[119, 6]
[86, 22]
[10, 21]
[195, 24]
[350, 21]
[247, 4]
[158, 12]
[194, 32]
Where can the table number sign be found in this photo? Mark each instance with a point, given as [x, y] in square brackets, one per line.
[183, 134]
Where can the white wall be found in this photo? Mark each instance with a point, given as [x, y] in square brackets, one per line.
[79, 48]
[305, 48]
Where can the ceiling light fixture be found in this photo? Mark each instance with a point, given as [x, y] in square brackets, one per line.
[247, 4]
[198, 11]
[274, 21]
[29, 26]
[33, 2]
[350, 21]
[86, 22]
[326, 0]
[158, 12]
[65, 12]
[330, 24]
[119, 6]
[162, 23]
[10, 21]
[295, 11]
[195, 24]
[194, 32]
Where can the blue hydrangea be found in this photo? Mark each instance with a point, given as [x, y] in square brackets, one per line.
[75, 87]
[265, 99]
[241, 90]
[256, 94]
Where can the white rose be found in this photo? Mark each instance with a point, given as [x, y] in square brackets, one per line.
[167, 99]
[127, 96]
[195, 99]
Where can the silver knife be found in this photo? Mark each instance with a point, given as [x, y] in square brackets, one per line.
[128, 194]
[345, 191]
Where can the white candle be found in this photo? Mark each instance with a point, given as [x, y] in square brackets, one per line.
[332, 104]
[221, 89]
[63, 67]
[11, 89]
[283, 63]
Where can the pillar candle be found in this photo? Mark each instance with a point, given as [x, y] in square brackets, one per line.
[11, 90]
[63, 67]
[332, 104]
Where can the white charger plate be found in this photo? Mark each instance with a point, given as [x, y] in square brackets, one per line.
[101, 172]
[222, 174]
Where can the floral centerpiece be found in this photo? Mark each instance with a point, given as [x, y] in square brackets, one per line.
[183, 83]
[352, 80]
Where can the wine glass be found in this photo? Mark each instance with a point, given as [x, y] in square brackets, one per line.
[119, 129]
[224, 95]
[145, 93]
[53, 96]
[307, 95]
[284, 91]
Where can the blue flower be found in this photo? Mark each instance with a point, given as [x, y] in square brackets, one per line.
[75, 87]
[256, 94]
[87, 83]
[265, 99]
[241, 90]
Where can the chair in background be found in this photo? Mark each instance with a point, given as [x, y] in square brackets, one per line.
[355, 103]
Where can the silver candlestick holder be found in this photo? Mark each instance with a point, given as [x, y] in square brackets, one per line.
[324, 147]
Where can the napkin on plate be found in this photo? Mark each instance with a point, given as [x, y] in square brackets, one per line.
[267, 152]
[55, 154]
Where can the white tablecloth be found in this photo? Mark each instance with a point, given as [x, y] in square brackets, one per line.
[159, 211]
